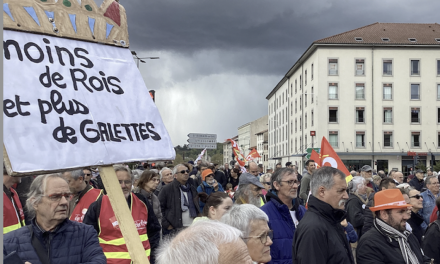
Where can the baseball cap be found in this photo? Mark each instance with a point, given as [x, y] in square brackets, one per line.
[366, 168]
[389, 199]
[419, 171]
[246, 178]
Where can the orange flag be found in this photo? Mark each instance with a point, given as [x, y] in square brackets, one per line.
[237, 153]
[316, 158]
[253, 155]
[331, 159]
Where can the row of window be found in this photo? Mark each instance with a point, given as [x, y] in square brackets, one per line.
[387, 67]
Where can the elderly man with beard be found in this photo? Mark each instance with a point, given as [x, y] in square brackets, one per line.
[389, 241]
[249, 190]
[284, 212]
[320, 237]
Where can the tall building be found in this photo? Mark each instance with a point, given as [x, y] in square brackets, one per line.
[373, 92]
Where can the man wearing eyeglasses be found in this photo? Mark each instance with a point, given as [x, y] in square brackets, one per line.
[429, 197]
[178, 201]
[102, 217]
[284, 212]
[416, 221]
[51, 237]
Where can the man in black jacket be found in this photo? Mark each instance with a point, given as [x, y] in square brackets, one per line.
[418, 182]
[320, 238]
[431, 242]
[389, 241]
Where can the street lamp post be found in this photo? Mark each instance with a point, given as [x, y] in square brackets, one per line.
[142, 59]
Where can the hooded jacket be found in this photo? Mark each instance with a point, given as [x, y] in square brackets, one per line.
[281, 222]
[320, 238]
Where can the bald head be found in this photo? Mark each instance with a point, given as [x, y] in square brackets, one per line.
[398, 176]
[253, 168]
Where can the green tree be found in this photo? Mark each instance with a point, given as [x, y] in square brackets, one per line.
[178, 159]
[421, 166]
[437, 166]
[217, 158]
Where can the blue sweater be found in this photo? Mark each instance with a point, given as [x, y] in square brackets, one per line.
[71, 243]
[281, 222]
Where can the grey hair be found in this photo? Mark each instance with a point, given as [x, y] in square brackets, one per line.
[241, 217]
[136, 174]
[75, 174]
[176, 168]
[164, 169]
[278, 175]
[356, 181]
[204, 164]
[37, 190]
[123, 168]
[429, 178]
[244, 195]
[408, 189]
[324, 177]
[264, 176]
[202, 236]
[221, 167]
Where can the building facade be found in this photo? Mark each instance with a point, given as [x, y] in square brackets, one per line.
[373, 92]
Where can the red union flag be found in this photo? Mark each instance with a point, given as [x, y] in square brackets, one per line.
[237, 153]
[331, 159]
[253, 155]
[316, 158]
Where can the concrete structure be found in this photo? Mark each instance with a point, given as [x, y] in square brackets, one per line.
[227, 150]
[373, 92]
[262, 148]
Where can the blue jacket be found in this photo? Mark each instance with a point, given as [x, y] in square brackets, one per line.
[428, 205]
[71, 243]
[208, 190]
[351, 234]
[281, 222]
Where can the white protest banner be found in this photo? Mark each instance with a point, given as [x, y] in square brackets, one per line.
[69, 104]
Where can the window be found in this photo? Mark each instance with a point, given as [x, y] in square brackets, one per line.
[333, 67]
[387, 67]
[360, 139]
[360, 67]
[415, 91]
[333, 138]
[291, 89]
[296, 105]
[305, 121]
[305, 99]
[283, 99]
[300, 123]
[438, 67]
[438, 115]
[415, 67]
[387, 91]
[358, 39]
[311, 95]
[360, 112]
[311, 72]
[296, 125]
[295, 86]
[333, 115]
[415, 115]
[438, 92]
[387, 139]
[388, 115]
[300, 82]
[291, 108]
[333, 91]
[386, 39]
[300, 102]
[312, 117]
[360, 91]
[305, 78]
[415, 139]
[412, 39]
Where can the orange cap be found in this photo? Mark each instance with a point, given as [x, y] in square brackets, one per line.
[389, 199]
[206, 173]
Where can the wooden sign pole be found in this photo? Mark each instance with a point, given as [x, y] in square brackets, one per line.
[123, 215]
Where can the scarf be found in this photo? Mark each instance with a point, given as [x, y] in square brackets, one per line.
[402, 237]
[184, 202]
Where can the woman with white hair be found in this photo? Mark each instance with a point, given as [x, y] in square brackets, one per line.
[357, 204]
[252, 221]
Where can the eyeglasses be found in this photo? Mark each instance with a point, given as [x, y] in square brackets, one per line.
[267, 183]
[87, 174]
[417, 196]
[184, 171]
[127, 182]
[56, 197]
[263, 237]
[292, 182]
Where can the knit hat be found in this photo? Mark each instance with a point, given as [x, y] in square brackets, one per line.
[389, 199]
[206, 173]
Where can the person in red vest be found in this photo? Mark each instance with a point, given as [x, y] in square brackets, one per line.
[83, 194]
[102, 217]
[13, 216]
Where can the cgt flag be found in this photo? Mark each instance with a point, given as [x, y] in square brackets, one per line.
[331, 159]
[316, 158]
[238, 155]
[253, 155]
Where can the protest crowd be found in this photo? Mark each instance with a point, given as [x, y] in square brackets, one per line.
[208, 213]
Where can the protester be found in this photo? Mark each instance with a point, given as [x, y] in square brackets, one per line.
[269, 170]
[284, 212]
[136, 176]
[83, 194]
[209, 185]
[429, 197]
[260, 169]
[265, 180]
[418, 182]
[249, 190]
[397, 176]
[416, 220]
[22, 190]
[381, 174]
[166, 177]
[367, 173]
[431, 240]
[216, 204]
[253, 169]
[376, 180]
[219, 177]
[278, 166]
[305, 182]
[205, 242]
[256, 233]
[102, 217]
[234, 179]
[320, 237]
[387, 183]
[51, 237]
[357, 203]
[389, 241]
[179, 202]
[227, 171]
[147, 185]
[13, 214]
[88, 175]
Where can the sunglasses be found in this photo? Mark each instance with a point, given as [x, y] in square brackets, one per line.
[184, 171]
[267, 183]
[417, 196]
[88, 174]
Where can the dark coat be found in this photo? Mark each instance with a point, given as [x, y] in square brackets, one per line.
[359, 214]
[431, 242]
[220, 177]
[415, 222]
[374, 247]
[281, 222]
[171, 206]
[320, 238]
[71, 243]
[418, 185]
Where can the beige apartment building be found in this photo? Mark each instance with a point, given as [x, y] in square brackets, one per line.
[373, 92]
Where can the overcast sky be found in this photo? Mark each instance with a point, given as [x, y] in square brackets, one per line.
[220, 59]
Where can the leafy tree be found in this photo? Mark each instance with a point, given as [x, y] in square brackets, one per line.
[437, 166]
[178, 159]
[217, 158]
[421, 166]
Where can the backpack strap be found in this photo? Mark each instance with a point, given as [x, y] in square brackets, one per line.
[39, 249]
